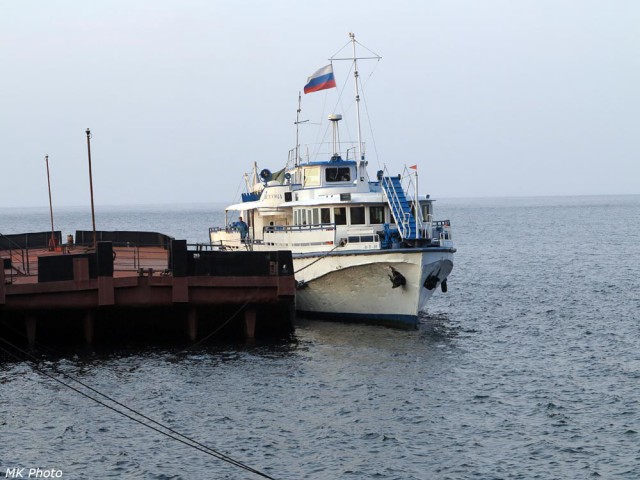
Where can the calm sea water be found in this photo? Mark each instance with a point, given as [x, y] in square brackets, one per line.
[529, 367]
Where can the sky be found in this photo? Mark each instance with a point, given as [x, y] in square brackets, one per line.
[489, 98]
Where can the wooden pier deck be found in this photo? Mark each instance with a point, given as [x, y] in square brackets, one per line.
[124, 292]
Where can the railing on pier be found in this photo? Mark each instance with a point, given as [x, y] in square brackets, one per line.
[129, 256]
[17, 260]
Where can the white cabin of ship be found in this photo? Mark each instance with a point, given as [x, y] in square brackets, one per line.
[317, 206]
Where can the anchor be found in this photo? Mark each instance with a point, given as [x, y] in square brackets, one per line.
[397, 279]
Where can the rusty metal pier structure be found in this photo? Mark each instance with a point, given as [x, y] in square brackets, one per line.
[121, 291]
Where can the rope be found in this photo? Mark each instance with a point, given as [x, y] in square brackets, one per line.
[340, 244]
[224, 324]
[341, 48]
[174, 435]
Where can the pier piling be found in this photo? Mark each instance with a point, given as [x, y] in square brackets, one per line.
[88, 324]
[250, 322]
[30, 327]
[192, 324]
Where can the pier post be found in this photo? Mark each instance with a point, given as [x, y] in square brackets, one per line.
[3, 297]
[30, 324]
[88, 327]
[192, 324]
[250, 322]
[178, 263]
[104, 254]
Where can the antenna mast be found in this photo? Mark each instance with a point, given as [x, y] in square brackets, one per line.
[296, 161]
[354, 59]
[352, 36]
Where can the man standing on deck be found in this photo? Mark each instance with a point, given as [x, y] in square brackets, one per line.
[243, 228]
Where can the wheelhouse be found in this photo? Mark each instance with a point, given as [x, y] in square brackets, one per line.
[326, 174]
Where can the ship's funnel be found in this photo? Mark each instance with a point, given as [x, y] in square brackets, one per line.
[334, 118]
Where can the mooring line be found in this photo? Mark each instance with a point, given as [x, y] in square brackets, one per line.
[176, 435]
[340, 244]
[208, 336]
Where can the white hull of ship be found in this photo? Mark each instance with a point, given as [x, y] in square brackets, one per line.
[356, 286]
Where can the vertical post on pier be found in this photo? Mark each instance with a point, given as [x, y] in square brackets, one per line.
[52, 243]
[93, 215]
[104, 260]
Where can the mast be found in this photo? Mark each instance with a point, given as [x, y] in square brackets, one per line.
[352, 36]
[295, 162]
[354, 59]
[418, 214]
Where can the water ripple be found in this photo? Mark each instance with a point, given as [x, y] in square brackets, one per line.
[527, 368]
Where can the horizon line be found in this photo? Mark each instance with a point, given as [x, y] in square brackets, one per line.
[217, 202]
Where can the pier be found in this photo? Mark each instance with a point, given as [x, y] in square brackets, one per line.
[127, 290]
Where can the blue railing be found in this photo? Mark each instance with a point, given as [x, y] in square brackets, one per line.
[400, 206]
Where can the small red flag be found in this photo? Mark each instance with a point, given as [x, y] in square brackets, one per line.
[415, 167]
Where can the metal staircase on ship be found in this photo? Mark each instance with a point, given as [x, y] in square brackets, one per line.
[406, 211]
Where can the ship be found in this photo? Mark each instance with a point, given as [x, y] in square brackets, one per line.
[365, 249]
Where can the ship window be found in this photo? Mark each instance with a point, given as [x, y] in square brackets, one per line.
[376, 215]
[304, 217]
[296, 217]
[340, 215]
[357, 215]
[337, 174]
[315, 216]
[312, 177]
[325, 215]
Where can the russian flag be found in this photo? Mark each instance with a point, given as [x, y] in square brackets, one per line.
[320, 80]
